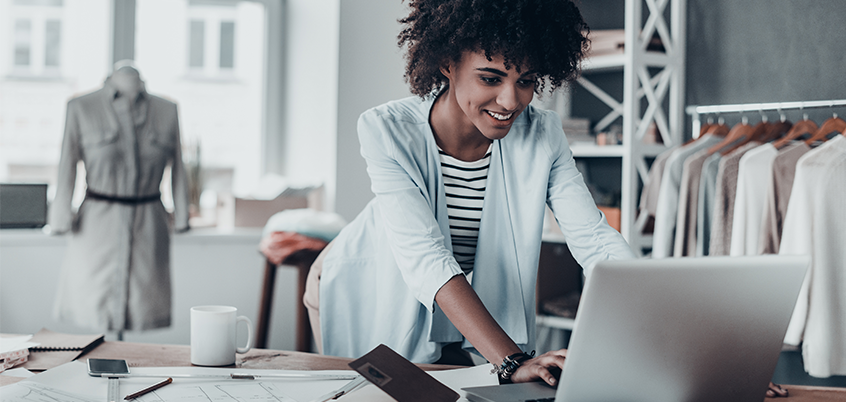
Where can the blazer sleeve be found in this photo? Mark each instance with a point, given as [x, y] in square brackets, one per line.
[585, 228]
[61, 215]
[412, 232]
[179, 180]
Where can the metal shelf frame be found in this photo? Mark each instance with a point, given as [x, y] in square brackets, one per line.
[640, 84]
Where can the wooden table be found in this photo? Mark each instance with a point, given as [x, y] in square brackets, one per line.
[151, 355]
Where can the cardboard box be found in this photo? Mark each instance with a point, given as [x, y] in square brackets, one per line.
[247, 212]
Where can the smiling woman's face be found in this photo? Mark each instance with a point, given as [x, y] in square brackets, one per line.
[490, 95]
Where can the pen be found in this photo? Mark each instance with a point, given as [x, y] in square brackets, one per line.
[149, 389]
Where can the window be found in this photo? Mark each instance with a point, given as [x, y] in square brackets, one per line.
[197, 44]
[52, 42]
[227, 44]
[37, 37]
[209, 57]
[23, 42]
[50, 51]
[211, 36]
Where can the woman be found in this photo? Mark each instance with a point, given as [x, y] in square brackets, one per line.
[444, 260]
[392, 276]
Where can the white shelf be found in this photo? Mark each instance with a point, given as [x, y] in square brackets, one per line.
[606, 63]
[596, 151]
[616, 62]
[586, 150]
[552, 321]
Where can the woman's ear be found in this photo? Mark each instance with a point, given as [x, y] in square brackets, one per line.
[446, 69]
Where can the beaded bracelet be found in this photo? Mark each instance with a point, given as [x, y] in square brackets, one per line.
[510, 364]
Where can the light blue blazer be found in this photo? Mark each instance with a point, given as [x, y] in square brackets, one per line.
[380, 278]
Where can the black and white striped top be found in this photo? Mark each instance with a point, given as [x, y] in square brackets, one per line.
[464, 184]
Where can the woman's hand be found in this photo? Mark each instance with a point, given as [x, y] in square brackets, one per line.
[776, 391]
[542, 367]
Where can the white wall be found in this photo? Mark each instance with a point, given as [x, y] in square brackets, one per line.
[370, 73]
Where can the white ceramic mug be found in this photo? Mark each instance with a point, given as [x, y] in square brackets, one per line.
[213, 335]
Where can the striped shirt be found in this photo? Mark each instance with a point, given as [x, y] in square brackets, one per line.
[464, 185]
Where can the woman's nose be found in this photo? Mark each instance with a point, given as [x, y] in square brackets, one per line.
[508, 97]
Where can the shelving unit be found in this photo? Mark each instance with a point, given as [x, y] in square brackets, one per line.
[653, 93]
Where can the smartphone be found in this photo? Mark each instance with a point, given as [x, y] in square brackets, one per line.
[107, 367]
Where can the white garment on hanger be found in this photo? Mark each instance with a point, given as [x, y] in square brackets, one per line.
[668, 196]
[752, 184]
[814, 225]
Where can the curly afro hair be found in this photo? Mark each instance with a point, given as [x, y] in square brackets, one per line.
[546, 36]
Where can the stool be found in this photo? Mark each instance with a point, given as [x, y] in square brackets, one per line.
[302, 260]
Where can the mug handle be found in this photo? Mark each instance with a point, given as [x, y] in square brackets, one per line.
[249, 333]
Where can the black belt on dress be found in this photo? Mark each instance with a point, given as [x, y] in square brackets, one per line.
[122, 200]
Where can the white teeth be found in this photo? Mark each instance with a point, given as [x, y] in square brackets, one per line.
[500, 116]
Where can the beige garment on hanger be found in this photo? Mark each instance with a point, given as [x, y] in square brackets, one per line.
[778, 195]
[724, 200]
[685, 241]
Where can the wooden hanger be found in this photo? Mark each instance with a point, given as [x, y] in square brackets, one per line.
[778, 130]
[719, 129]
[799, 129]
[738, 132]
[758, 133]
[705, 127]
[834, 123]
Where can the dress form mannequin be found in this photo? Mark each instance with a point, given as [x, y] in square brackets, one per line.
[127, 80]
[116, 270]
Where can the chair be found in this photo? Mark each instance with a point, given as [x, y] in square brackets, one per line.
[302, 261]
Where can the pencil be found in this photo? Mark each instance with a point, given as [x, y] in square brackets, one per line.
[149, 389]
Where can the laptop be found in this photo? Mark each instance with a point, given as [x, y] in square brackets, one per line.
[675, 329]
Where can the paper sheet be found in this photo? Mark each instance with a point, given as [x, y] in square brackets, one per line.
[13, 343]
[17, 372]
[71, 382]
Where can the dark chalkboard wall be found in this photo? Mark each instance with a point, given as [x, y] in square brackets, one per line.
[765, 51]
[743, 51]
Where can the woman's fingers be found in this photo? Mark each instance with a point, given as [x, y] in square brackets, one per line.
[547, 377]
[559, 352]
[776, 390]
[546, 367]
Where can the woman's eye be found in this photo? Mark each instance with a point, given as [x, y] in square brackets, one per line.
[526, 83]
[490, 80]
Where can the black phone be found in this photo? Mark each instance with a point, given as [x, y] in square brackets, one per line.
[107, 367]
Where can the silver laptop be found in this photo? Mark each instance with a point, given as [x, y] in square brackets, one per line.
[676, 329]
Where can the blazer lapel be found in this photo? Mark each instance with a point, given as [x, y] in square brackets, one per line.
[496, 274]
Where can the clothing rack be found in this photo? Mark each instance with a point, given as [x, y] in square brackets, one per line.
[696, 112]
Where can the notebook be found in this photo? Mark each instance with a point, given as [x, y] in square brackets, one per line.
[56, 348]
[675, 329]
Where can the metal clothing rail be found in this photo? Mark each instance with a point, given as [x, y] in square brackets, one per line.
[696, 111]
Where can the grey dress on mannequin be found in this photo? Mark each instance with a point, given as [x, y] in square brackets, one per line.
[116, 270]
